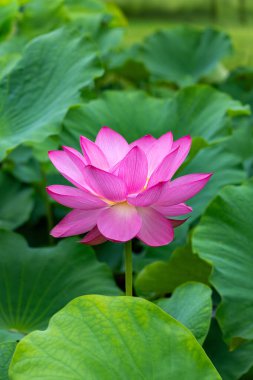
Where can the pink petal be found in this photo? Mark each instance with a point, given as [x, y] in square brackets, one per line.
[156, 230]
[93, 237]
[93, 154]
[76, 222]
[165, 170]
[176, 223]
[184, 145]
[133, 170]
[144, 143]
[120, 222]
[183, 188]
[68, 168]
[79, 160]
[75, 156]
[115, 169]
[175, 210]
[74, 198]
[158, 151]
[113, 145]
[105, 185]
[147, 197]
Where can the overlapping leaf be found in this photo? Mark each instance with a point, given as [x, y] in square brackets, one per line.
[184, 55]
[224, 238]
[240, 86]
[6, 352]
[22, 164]
[37, 282]
[190, 304]
[231, 364]
[10, 53]
[16, 202]
[197, 110]
[35, 96]
[161, 277]
[226, 168]
[92, 334]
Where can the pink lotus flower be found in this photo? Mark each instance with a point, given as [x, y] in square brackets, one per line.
[124, 190]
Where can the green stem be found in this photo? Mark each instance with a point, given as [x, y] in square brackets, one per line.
[128, 268]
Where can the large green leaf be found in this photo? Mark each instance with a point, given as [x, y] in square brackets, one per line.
[197, 110]
[10, 53]
[241, 142]
[22, 164]
[162, 277]
[130, 113]
[240, 86]
[226, 169]
[190, 304]
[93, 18]
[35, 96]
[6, 352]
[16, 202]
[224, 238]
[37, 282]
[183, 55]
[97, 337]
[123, 63]
[231, 364]
[200, 111]
[101, 20]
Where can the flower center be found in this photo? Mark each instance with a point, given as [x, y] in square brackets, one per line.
[112, 203]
